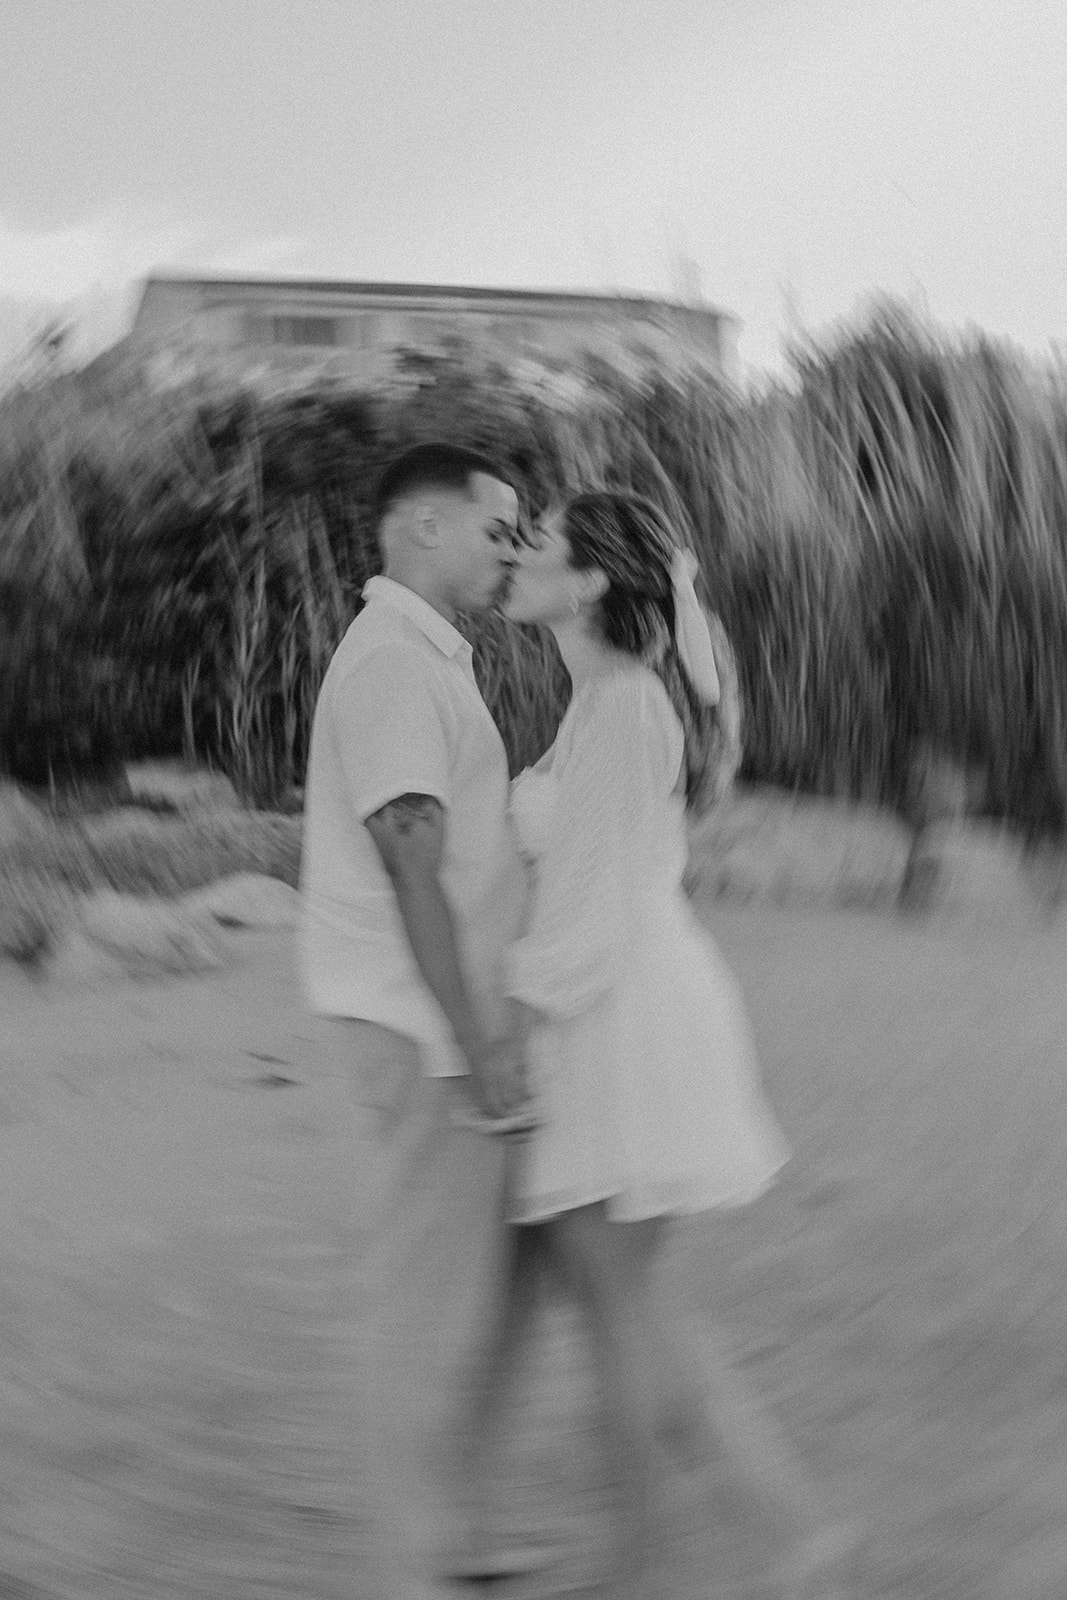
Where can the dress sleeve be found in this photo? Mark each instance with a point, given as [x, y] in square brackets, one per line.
[621, 766]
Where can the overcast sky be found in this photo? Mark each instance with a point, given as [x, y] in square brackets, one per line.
[805, 154]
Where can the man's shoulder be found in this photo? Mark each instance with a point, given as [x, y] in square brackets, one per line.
[386, 673]
[375, 635]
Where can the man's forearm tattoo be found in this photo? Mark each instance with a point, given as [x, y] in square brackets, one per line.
[408, 810]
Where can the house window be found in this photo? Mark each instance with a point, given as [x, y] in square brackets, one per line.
[291, 330]
[361, 331]
[425, 328]
[525, 329]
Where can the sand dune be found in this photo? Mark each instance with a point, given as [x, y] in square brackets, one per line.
[179, 1218]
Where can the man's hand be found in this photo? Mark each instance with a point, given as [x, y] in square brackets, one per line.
[498, 1079]
[494, 1098]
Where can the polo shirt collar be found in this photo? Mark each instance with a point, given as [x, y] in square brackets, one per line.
[437, 628]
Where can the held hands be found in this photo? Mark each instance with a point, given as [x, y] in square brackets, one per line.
[499, 1091]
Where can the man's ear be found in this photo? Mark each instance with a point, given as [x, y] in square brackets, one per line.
[424, 524]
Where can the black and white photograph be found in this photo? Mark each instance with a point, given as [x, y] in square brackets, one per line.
[533, 800]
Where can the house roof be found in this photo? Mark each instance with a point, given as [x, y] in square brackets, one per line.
[565, 299]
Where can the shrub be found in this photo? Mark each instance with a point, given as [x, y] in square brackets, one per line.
[883, 537]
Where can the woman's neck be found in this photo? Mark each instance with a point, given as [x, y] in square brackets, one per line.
[585, 655]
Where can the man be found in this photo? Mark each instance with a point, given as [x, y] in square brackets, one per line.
[412, 892]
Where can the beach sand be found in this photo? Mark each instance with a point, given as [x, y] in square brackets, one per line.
[180, 1221]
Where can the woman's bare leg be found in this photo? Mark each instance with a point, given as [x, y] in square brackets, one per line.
[707, 1413]
[712, 1415]
[607, 1268]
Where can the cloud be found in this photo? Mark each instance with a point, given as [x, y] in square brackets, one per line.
[106, 249]
[84, 272]
[88, 272]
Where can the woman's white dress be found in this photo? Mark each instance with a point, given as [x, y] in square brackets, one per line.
[643, 1069]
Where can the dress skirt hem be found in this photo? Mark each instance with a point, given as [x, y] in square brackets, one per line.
[650, 1099]
[639, 1205]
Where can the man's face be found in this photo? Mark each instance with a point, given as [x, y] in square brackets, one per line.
[477, 543]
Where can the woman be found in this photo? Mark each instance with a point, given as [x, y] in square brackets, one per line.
[642, 1069]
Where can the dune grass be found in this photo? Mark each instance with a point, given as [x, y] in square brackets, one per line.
[44, 872]
[883, 538]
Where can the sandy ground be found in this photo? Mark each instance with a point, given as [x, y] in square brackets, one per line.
[179, 1219]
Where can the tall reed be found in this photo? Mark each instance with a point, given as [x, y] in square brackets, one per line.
[884, 537]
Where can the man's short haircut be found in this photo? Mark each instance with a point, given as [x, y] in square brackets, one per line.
[432, 466]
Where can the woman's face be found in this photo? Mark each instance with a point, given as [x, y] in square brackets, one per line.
[544, 585]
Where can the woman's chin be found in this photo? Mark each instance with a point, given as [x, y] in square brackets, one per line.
[520, 611]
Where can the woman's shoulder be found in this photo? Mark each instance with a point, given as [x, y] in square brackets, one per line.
[632, 691]
[630, 714]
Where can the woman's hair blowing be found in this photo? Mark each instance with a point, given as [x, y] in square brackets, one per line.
[629, 539]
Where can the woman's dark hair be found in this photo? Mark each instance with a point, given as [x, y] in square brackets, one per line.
[631, 542]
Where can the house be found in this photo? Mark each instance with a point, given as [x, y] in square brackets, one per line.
[263, 326]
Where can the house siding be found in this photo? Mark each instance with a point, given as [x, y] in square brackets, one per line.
[357, 329]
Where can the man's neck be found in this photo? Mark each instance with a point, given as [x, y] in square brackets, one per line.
[422, 585]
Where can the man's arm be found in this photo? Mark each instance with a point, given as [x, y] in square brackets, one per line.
[409, 833]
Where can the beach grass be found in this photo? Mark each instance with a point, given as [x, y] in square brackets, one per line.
[883, 536]
[43, 873]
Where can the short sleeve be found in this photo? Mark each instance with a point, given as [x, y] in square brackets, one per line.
[621, 765]
[390, 730]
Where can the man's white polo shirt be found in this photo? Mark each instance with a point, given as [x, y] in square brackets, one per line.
[399, 712]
